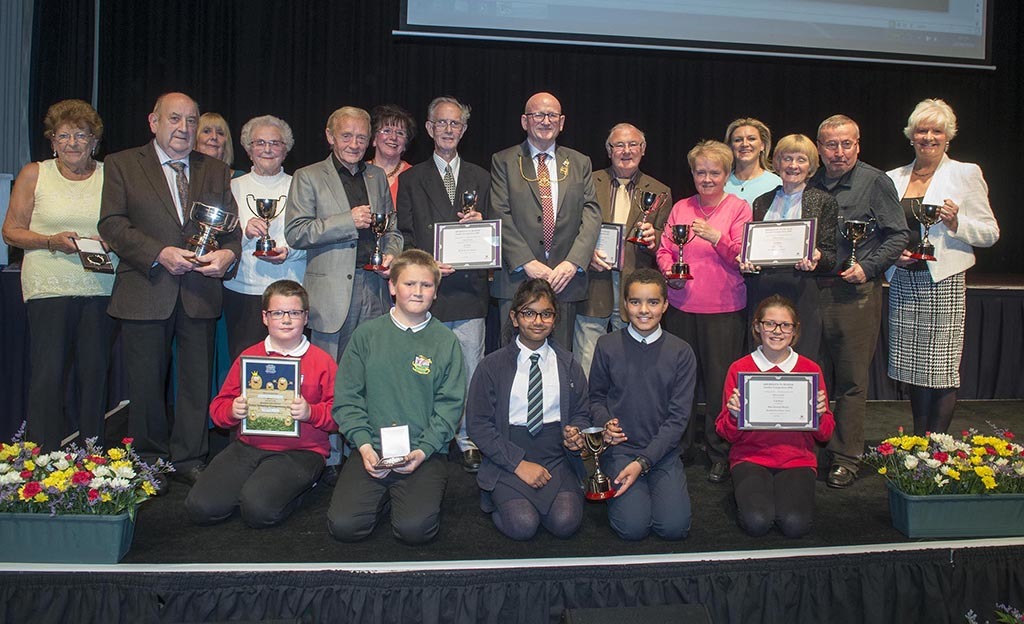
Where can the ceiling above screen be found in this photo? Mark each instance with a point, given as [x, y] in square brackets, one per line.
[932, 32]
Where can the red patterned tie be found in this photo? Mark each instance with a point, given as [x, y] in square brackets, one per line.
[547, 208]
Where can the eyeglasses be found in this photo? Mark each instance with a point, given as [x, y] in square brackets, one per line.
[834, 145]
[277, 315]
[79, 137]
[447, 123]
[784, 327]
[393, 132]
[260, 143]
[621, 147]
[545, 315]
[541, 117]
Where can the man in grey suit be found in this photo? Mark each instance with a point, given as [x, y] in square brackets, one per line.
[163, 293]
[431, 192]
[618, 188]
[550, 218]
[328, 214]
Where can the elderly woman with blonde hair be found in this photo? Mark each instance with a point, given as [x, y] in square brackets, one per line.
[708, 310]
[927, 296]
[796, 160]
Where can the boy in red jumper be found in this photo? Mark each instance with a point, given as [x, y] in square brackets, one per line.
[265, 477]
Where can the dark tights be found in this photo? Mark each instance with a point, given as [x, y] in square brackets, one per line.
[932, 408]
[519, 519]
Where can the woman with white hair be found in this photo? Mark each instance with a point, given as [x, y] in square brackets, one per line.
[267, 140]
[927, 297]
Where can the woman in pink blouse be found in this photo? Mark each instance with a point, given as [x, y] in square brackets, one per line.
[708, 310]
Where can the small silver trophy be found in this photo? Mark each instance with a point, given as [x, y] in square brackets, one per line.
[379, 223]
[266, 209]
[211, 221]
[648, 202]
[680, 236]
[468, 202]
[927, 215]
[855, 231]
[599, 486]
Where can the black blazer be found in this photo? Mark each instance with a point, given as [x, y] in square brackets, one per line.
[816, 204]
[422, 202]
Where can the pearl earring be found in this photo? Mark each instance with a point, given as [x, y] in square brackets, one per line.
[54, 153]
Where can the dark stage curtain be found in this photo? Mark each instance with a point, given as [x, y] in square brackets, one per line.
[300, 60]
[936, 586]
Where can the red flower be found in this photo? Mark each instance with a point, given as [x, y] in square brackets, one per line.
[81, 477]
[32, 488]
[26, 474]
[96, 459]
[885, 448]
[36, 451]
[127, 441]
[940, 456]
[965, 433]
[990, 450]
[961, 454]
[93, 494]
[1008, 435]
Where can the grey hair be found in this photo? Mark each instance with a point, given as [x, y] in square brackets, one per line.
[267, 120]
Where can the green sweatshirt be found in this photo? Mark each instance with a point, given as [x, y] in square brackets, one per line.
[393, 377]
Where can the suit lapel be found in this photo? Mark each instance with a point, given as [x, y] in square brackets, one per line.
[437, 194]
[153, 169]
[529, 170]
[562, 157]
[330, 179]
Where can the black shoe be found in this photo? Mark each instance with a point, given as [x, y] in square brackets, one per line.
[471, 459]
[161, 484]
[330, 475]
[189, 476]
[719, 472]
[840, 477]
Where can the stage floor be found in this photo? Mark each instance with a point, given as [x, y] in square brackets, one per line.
[852, 521]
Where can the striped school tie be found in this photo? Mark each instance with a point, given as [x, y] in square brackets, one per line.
[535, 398]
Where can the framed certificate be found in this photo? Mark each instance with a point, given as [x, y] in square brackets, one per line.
[778, 401]
[774, 243]
[470, 245]
[269, 385]
[609, 241]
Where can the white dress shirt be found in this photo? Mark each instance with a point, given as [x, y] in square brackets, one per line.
[517, 405]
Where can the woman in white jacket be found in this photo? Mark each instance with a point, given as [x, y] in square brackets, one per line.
[927, 297]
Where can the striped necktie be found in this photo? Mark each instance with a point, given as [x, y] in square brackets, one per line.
[449, 183]
[535, 398]
[181, 182]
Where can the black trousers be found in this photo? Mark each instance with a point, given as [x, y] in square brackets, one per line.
[147, 354]
[243, 316]
[717, 341]
[68, 334]
[765, 497]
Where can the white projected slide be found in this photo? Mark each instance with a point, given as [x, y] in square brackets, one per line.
[940, 30]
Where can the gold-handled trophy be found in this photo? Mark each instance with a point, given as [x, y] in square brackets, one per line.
[468, 202]
[855, 231]
[211, 221]
[379, 223]
[680, 236]
[648, 202]
[266, 209]
[927, 215]
[599, 486]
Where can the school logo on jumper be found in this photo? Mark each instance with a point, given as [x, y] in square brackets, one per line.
[421, 365]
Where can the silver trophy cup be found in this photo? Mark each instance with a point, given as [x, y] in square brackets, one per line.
[927, 215]
[681, 234]
[648, 202]
[211, 221]
[268, 210]
[379, 223]
[599, 486]
[855, 231]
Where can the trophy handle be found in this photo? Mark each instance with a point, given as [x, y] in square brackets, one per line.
[249, 199]
[281, 203]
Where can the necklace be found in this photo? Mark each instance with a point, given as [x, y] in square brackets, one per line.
[923, 175]
[707, 215]
[394, 171]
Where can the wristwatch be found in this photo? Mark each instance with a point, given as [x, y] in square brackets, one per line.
[645, 464]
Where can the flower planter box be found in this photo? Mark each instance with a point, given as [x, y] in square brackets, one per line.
[958, 515]
[41, 538]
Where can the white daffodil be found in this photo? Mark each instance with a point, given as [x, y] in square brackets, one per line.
[124, 472]
[939, 481]
[102, 471]
[11, 478]
[62, 464]
[932, 463]
[43, 460]
[910, 462]
[117, 483]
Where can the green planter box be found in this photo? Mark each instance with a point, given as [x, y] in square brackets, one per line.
[959, 515]
[41, 538]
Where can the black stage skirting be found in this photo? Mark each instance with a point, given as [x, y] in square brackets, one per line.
[992, 366]
[853, 567]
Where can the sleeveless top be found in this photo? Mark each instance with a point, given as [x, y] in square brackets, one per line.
[64, 205]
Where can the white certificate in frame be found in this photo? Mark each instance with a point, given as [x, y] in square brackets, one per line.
[609, 241]
[776, 243]
[778, 401]
[469, 245]
[269, 385]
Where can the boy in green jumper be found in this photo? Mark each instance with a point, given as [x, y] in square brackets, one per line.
[403, 368]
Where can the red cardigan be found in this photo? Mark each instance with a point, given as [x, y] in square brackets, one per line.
[772, 449]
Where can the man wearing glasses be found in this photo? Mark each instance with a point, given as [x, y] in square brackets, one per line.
[619, 188]
[435, 191]
[851, 298]
[328, 214]
[550, 219]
